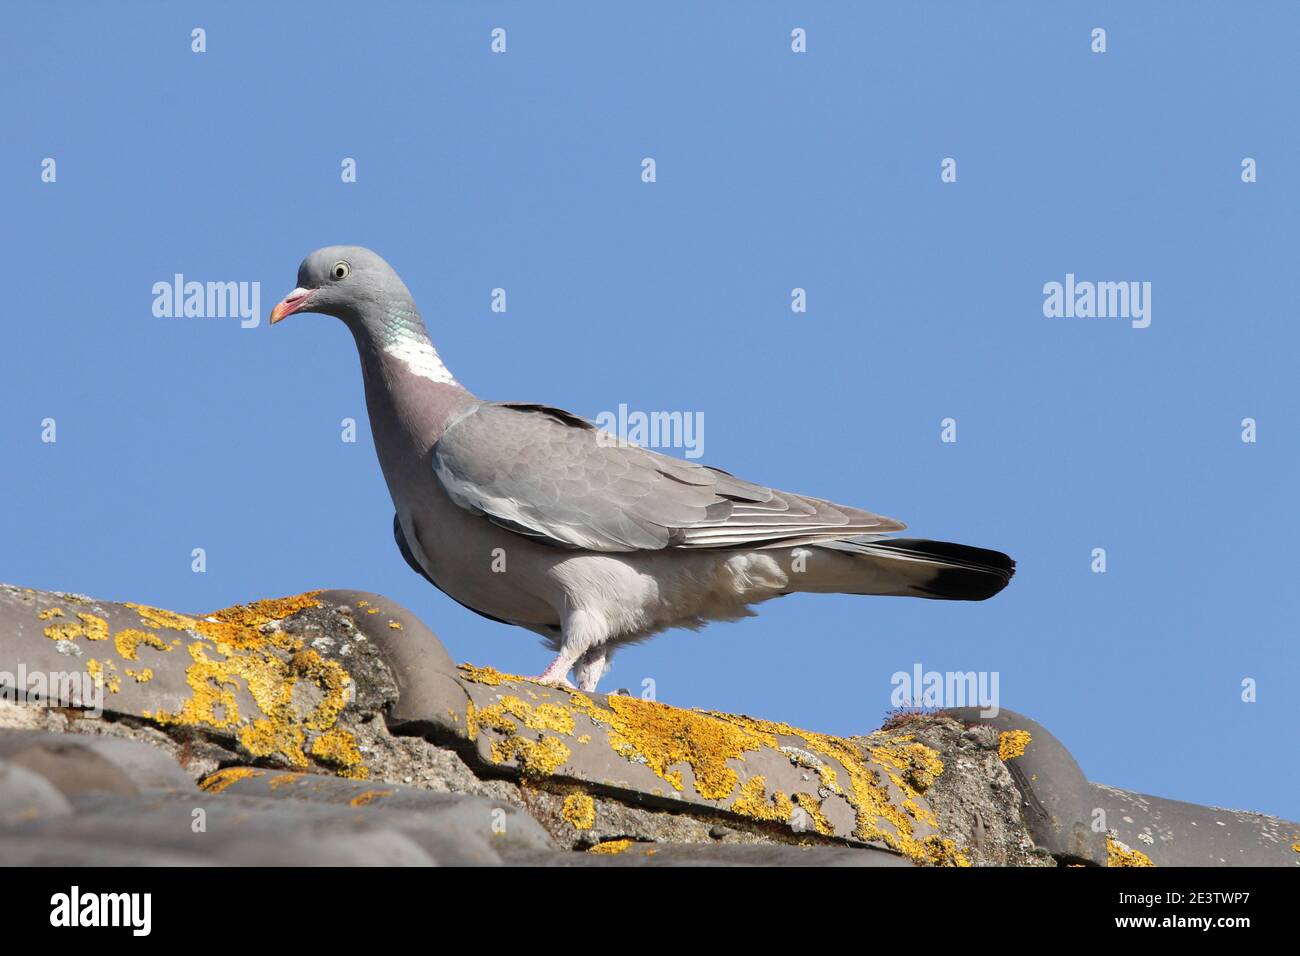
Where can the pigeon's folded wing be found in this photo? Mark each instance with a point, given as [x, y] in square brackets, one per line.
[551, 475]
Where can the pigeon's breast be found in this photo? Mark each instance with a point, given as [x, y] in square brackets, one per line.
[483, 566]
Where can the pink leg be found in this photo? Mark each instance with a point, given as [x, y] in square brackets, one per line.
[584, 632]
[557, 671]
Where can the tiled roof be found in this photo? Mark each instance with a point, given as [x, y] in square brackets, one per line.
[333, 728]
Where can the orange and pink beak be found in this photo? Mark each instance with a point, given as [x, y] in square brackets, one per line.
[293, 302]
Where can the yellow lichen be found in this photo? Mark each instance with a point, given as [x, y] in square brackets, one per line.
[883, 777]
[128, 641]
[90, 626]
[809, 805]
[104, 675]
[611, 847]
[829, 778]
[486, 675]
[1012, 743]
[236, 651]
[542, 717]
[666, 736]
[395, 625]
[50, 612]
[495, 717]
[920, 813]
[911, 767]
[142, 676]
[940, 851]
[260, 613]
[262, 738]
[1117, 854]
[579, 810]
[918, 766]
[237, 625]
[282, 780]
[160, 618]
[752, 801]
[369, 796]
[219, 781]
[339, 747]
[471, 721]
[536, 758]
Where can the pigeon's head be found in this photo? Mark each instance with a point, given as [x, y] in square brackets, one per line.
[348, 282]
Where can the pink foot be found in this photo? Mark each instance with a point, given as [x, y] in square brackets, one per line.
[556, 673]
[544, 678]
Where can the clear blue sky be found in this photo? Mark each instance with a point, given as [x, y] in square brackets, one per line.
[775, 170]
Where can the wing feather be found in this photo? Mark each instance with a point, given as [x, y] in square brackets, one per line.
[550, 475]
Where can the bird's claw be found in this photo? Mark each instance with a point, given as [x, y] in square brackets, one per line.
[552, 681]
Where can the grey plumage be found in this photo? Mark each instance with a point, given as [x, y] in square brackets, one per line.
[601, 543]
[546, 473]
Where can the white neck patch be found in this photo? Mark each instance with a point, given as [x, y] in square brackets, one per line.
[422, 359]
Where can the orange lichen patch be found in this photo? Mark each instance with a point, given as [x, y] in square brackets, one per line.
[339, 747]
[611, 847]
[911, 767]
[541, 717]
[330, 677]
[829, 778]
[142, 676]
[471, 721]
[104, 675]
[536, 758]
[1118, 854]
[160, 618]
[369, 796]
[260, 613]
[238, 651]
[128, 641]
[50, 612]
[262, 738]
[752, 801]
[920, 813]
[809, 805]
[495, 718]
[939, 851]
[579, 810]
[219, 781]
[883, 777]
[665, 737]
[281, 780]
[238, 625]
[918, 766]
[1012, 743]
[1296, 847]
[486, 675]
[90, 626]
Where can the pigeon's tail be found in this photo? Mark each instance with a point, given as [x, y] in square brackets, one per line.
[919, 568]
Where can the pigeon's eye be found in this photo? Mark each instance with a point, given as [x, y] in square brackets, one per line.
[340, 270]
